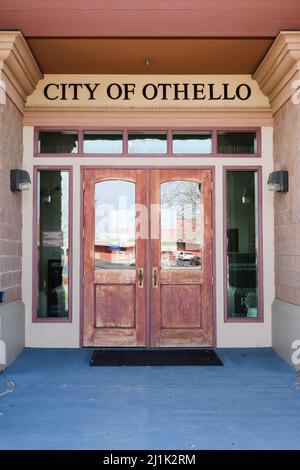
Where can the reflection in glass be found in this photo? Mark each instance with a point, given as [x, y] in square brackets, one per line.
[53, 244]
[181, 225]
[102, 142]
[192, 142]
[58, 142]
[147, 142]
[115, 225]
[236, 142]
[242, 222]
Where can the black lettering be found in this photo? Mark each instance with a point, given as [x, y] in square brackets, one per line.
[46, 91]
[177, 91]
[128, 88]
[91, 90]
[248, 91]
[145, 91]
[225, 96]
[198, 90]
[211, 92]
[164, 87]
[118, 90]
[63, 91]
[75, 87]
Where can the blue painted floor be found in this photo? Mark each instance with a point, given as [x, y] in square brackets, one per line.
[59, 402]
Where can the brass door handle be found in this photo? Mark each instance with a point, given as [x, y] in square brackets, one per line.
[140, 277]
[155, 277]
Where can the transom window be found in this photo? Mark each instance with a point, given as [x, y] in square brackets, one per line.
[133, 142]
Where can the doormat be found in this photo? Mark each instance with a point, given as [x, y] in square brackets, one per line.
[154, 357]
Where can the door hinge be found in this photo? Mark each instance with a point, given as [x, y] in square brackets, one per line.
[212, 280]
[83, 279]
[83, 185]
[83, 233]
[212, 233]
[211, 185]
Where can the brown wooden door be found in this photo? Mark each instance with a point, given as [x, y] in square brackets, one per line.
[147, 279]
[114, 261]
[181, 258]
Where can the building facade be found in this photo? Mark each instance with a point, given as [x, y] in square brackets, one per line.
[148, 220]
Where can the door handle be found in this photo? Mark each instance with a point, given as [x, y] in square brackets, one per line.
[155, 277]
[140, 277]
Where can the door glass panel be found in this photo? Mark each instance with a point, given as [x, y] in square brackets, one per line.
[102, 142]
[53, 244]
[242, 236]
[147, 142]
[114, 225]
[181, 225]
[192, 142]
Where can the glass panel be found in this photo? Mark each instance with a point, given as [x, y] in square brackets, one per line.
[53, 244]
[242, 220]
[181, 225]
[236, 142]
[58, 142]
[103, 142]
[192, 142]
[115, 225]
[147, 142]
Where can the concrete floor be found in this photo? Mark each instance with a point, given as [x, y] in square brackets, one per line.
[59, 402]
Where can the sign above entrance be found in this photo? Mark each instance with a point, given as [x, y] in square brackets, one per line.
[147, 91]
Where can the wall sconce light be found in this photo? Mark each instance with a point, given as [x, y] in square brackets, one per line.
[278, 181]
[19, 180]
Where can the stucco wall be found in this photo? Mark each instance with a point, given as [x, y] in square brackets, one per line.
[11, 149]
[287, 205]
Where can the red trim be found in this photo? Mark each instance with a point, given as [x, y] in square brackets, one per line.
[35, 318]
[168, 154]
[260, 317]
[148, 167]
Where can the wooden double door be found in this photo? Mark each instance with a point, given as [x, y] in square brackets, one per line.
[147, 258]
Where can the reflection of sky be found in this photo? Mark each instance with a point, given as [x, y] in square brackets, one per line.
[102, 145]
[192, 145]
[114, 208]
[181, 210]
[147, 145]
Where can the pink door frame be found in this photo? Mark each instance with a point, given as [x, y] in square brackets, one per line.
[148, 167]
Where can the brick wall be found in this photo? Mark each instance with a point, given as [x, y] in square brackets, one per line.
[10, 203]
[287, 205]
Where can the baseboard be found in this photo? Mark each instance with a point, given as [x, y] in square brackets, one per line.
[286, 331]
[12, 332]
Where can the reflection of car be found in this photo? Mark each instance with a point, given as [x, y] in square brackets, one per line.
[195, 261]
[183, 256]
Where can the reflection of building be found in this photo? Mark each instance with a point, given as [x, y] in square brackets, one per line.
[113, 253]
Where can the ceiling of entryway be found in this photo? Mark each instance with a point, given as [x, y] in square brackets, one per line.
[168, 56]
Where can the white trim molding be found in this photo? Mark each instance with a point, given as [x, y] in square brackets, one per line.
[19, 71]
[280, 67]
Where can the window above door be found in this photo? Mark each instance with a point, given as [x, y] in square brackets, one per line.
[213, 142]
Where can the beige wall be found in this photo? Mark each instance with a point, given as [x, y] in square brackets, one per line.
[287, 205]
[11, 154]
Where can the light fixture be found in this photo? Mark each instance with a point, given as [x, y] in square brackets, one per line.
[248, 195]
[19, 180]
[148, 62]
[278, 181]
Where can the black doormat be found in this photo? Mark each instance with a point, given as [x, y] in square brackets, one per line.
[154, 357]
